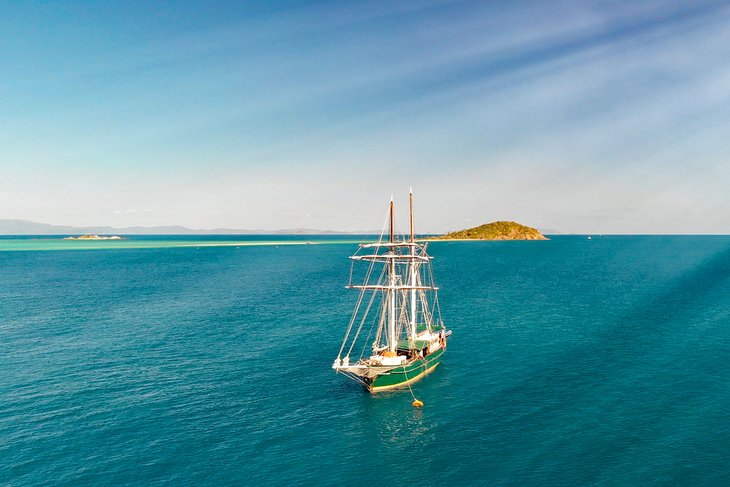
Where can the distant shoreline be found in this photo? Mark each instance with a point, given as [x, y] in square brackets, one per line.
[28, 227]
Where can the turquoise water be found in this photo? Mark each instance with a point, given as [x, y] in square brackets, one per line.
[58, 242]
[573, 362]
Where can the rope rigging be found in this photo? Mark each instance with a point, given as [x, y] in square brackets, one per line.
[403, 303]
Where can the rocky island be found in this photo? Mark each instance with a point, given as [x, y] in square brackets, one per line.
[495, 231]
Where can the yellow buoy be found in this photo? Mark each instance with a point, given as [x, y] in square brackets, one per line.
[417, 404]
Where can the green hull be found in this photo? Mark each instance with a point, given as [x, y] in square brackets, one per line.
[408, 374]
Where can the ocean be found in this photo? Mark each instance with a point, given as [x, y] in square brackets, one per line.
[206, 361]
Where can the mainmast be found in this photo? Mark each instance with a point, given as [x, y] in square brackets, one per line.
[413, 271]
[392, 340]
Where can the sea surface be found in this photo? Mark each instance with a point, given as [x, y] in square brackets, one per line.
[572, 362]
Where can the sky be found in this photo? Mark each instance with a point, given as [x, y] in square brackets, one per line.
[571, 116]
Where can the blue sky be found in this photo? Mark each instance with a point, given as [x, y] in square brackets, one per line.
[595, 117]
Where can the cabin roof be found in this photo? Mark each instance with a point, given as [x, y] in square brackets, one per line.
[405, 344]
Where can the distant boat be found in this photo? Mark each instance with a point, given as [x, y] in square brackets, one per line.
[589, 237]
[408, 335]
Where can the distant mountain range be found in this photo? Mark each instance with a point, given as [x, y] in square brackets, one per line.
[25, 227]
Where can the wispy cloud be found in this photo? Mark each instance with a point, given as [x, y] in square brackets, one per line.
[132, 211]
[523, 110]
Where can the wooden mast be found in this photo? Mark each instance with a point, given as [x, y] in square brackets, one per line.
[392, 340]
[391, 220]
[411, 216]
[413, 270]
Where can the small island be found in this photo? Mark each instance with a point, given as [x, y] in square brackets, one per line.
[95, 237]
[501, 230]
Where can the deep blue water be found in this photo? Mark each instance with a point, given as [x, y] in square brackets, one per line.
[573, 362]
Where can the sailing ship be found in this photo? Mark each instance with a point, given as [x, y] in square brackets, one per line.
[396, 335]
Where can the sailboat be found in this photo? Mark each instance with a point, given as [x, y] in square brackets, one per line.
[396, 335]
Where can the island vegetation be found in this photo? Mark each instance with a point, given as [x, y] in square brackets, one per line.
[501, 230]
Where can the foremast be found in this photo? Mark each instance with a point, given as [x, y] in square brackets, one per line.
[412, 268]
[392, 338]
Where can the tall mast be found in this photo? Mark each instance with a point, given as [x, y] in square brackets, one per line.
[391, 221]
[410, 201]
[413, 270]
[392, 342]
